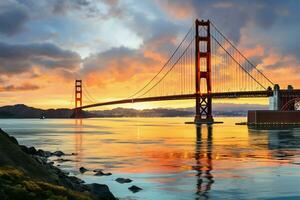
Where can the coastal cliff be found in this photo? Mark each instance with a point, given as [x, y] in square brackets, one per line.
[27, 176]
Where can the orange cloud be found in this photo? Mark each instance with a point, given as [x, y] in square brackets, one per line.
[22, 87]
[178, 10]
[253, 52]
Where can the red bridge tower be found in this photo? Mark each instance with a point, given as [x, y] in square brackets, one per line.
[78, 98]
[203, 71]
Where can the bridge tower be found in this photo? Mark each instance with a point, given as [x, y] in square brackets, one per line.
[78, 98]
[203, 71]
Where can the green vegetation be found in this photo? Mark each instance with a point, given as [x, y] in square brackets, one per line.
[25, 176]
[12, 155]
[14, 184]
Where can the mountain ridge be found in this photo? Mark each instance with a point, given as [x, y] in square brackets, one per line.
[24, 111]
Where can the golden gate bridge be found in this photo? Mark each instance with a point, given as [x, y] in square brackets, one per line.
[205, 65]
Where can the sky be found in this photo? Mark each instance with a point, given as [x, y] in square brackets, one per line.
[115, 46]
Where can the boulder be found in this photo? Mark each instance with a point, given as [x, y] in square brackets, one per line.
[101, 173]
[82, 170]
[43, 153]
[58, 153]
[41, 160]
[101, 191]
[97, 170]
[24, 149]
[75, 179]
[32, 150]
[123, 180]
[11, 138]
[134, 189]
[51, 163]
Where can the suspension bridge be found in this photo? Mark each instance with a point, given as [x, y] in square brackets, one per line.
[204, 66]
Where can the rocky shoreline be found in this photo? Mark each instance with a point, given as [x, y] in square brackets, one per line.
[39, 161]
[101, 191]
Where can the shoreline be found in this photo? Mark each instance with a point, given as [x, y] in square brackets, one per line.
[34, 166]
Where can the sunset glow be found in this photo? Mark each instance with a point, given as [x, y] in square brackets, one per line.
[115, 47]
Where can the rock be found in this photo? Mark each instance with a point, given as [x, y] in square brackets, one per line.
[134, 189]
[73, 182]
[101, 191]
[61, 160]
[76, 180]
[58, 153]
[101, 173]
[41, 160]
[52, 173]
[97, 170]
[13, 140]
[47, 154]
[43, 153]
[32, 150]
[24, 149]
[123, 180]
[82, 170]
[51, 163]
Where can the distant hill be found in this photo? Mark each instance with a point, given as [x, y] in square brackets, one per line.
[218, 110]
[129, 112]
[23, 111]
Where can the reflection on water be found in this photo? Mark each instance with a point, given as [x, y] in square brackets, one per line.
[78, 143]
[172, 160]
[203, 157]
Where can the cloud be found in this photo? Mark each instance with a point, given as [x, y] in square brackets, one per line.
[12, 20]
[63, 6]
[23, 87]
[117, 64]
[22, 58]
[90, 9]
[231, 16]
[160, 36]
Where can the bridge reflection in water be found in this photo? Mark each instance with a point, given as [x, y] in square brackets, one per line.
[78, 143]
[204, 165]
[202, 154]
[170, 159]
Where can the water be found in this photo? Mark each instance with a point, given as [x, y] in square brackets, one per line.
[170, 159]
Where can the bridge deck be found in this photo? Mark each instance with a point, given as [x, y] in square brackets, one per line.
[249, 94]
[223, 95]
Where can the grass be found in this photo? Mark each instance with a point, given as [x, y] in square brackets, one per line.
[23, 178]
[14, 184]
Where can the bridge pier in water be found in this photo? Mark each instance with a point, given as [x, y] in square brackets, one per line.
[203, 71]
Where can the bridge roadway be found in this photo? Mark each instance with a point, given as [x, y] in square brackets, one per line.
[249, 94]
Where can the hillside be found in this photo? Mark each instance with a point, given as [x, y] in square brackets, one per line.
[25, 176]
[23, 111]
[12, 155]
